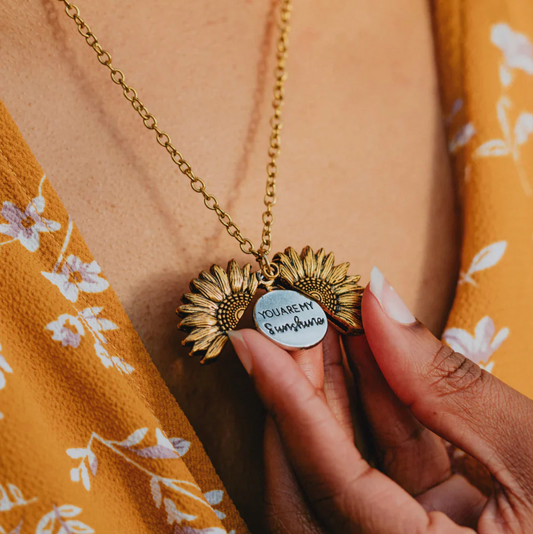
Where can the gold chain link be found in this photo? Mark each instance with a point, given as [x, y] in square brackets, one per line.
[275, 123]
[197, 184]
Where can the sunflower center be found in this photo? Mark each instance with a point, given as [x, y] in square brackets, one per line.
[231, 310]
[318, 290]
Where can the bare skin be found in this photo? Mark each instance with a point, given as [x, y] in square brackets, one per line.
[363, 169]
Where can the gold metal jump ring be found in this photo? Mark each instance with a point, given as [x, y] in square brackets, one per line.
[269, 270]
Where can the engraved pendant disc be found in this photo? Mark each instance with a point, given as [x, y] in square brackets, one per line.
[290, 320]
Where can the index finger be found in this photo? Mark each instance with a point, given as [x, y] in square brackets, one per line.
[349, 496]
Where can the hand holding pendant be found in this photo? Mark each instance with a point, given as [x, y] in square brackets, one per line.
[218, 299]
[414, 391]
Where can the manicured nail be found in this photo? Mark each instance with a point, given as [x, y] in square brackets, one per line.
[241, 348]
[390, 301]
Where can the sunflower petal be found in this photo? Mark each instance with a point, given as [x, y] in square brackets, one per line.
[349, 299]
[221, 279]
[215, 349]
[343, 287]
[296, 262]
[338, 274]
[235, 276]
[200, 300]
[204, 275]
[309, 262]
[253, 284]
[353, 279]
[346, 315]
[320, 255]
[204, 343]
[199, 320]
[286, 269]
[245, 276]
[200, 333]
[209, 290]
[329, 262]
[191, 308]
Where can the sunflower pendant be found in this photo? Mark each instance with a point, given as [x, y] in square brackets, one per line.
[308, 291]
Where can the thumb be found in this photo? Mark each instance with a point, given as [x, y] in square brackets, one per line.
[445, 391]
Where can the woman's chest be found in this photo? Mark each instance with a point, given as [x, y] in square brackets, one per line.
[362, 171]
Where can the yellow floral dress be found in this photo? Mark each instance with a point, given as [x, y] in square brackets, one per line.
[91, 438]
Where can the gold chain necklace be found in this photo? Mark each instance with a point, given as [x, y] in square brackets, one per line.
[302, 290]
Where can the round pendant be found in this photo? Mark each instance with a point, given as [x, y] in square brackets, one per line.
[290, 320]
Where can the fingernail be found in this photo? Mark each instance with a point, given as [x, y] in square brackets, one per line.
[390, 301]
[241, 348]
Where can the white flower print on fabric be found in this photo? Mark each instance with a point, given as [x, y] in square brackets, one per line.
[76, 276]
[69, 329]
[181, 446]
[159, 484]
[512, 141]
[461, 138]
[215, 497]
[4, 368]
[456, 107]
[177, 517]
[96, 324]
[174, 515]
[12, 497]
[25, 226]
[523, 128]
[517, 51]
[480, 347]
[185, 529]
[61, 516]
[464, 133]
[16, 530]
[487, 257]
[112, 361]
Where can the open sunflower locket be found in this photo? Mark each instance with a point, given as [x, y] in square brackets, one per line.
[303, 292]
